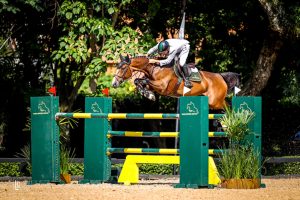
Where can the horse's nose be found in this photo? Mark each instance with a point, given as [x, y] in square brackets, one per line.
[115, 84]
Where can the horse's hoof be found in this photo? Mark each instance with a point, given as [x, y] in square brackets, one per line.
[152, 97]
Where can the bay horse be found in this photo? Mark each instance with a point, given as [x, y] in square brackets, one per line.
[164, 81]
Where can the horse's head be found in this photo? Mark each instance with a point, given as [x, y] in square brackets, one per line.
[123, 71]
[127, 66]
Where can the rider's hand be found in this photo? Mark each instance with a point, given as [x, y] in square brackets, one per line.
[154, 61]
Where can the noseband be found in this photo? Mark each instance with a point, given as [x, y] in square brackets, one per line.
[122, 63]
[120, 66]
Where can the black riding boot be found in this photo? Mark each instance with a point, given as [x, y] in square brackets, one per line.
[187, 82]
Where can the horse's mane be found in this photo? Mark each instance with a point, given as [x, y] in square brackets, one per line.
[148, 57]
[137, 57]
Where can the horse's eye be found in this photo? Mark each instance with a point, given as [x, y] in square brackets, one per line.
[120, 65]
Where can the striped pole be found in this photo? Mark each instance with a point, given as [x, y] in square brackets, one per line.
[155, 151]
[142, 134]
[215, 116]
[119, 115]
[155, 134]
[128, 115]
[217, 134]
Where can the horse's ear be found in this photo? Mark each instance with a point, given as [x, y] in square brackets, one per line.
[127, 59]
[121, 57]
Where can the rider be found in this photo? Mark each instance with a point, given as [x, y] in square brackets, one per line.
[171, 48]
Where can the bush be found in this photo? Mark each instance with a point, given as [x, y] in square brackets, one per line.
[154, 169]
[65, 155]
[241, 160]
[76, 169]
[10, 169]
[239, 163]
[271, 169]
[157, 169]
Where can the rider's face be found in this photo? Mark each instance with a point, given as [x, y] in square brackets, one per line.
[165, 53]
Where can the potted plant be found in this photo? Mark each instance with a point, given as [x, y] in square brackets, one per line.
[239, 165]
[65, 157]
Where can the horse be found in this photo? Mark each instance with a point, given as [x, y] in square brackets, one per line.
[164, 81]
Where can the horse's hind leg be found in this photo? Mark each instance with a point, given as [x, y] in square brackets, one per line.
[216, 102]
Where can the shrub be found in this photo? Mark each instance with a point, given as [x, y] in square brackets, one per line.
[10, 169]
[241, 160]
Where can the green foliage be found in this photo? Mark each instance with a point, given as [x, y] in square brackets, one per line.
[90, 38]
[124, 41]
[157, 169]
[65, 124]
[235, 123]
[66, 155]
[226, 37]
[125, 90]
[25, 153]
[241, 160]
[216, 55]
[239, 163]
[71, 48]
[271, 169]
[76, 169]
[7, 6]
[291, 94]
[9, 169]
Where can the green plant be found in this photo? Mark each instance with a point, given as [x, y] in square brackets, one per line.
[65, 124]
[76, 169]
[10, 169]
[25, 152]
[240, 163]
[66, 155]
[241, 160]
[235, 123]
[158, 169]
[271, 169]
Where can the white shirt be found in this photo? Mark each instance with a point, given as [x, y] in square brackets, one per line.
[176, 46]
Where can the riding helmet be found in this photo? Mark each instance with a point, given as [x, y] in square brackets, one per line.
[163, 45]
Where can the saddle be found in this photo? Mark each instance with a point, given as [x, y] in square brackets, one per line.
[193, 72]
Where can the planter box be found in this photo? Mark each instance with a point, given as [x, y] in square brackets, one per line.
[240, 183]
[65, 178]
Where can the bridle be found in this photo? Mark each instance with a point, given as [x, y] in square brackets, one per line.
[124, 69]
[125, 66]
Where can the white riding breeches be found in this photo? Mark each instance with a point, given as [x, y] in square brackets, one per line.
[184, 54]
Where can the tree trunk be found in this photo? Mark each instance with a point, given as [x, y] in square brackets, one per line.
[279, 29]
[264, 65]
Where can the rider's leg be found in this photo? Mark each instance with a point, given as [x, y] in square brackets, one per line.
[182, 62]
[187, 82]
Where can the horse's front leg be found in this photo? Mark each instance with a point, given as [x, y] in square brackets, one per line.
[141, 85]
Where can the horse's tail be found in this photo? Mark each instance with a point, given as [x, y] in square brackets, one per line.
[232, 80]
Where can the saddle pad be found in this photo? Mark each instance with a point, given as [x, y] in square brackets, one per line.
[195, 75]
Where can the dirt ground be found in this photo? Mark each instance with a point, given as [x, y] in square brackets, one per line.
[162, 189]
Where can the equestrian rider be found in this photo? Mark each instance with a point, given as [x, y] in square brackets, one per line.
[171, 48]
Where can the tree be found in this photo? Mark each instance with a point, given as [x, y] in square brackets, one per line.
[24, 50]
[93, 32]
[246, 37]
[281, 28]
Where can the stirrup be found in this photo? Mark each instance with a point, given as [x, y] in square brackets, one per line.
[188, 84]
